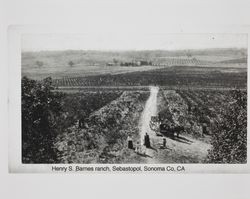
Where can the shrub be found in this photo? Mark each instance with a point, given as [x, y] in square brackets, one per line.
[41, 111]
[229, 140]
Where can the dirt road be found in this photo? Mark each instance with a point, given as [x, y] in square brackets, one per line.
[149, 110]
[178, 150]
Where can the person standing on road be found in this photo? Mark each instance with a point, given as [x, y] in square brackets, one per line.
[164, 143]
[137, 148]
[147, 140]
[130, 143]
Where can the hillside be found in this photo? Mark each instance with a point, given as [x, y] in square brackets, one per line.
[74, 63]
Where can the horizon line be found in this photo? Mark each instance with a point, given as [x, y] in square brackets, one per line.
[138, 50]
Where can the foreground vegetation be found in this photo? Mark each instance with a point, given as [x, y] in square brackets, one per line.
[51, 130]
[215, 117]
[93, 126]
[42, 115]
[229, 139]
[103, 137]
[46, 114]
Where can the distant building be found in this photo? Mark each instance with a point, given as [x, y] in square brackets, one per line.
[130, 63]
[137, 63]
[110, 64]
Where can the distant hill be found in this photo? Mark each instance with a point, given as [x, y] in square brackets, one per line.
[234, 61]
[84, 62]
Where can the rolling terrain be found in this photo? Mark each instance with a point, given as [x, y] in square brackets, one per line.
[68, 64]
[104, 104]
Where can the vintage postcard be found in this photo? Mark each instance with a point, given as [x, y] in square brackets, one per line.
[113, 103]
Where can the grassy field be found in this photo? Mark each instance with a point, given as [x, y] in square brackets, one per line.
[38, 65]
[58, 72]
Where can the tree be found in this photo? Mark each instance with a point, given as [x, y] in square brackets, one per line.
[71, 63]
[189, 54]
[39, 63]
[229, 141]
[115, 61]
[41, 111]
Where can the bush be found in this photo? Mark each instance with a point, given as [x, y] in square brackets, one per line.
[41, 111]
[229, 140]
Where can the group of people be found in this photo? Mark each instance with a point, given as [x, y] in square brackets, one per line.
[141, 149]
[146, 141]
[138, 147]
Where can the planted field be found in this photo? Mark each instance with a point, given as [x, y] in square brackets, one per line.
[213, 121]
[94, 126]
[179, 61]
[80, 63]
[78, 106]
[103, 137]
[192, 107]
[170, 76]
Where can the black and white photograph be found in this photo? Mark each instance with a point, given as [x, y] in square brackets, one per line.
[134, 99]
[124, 99]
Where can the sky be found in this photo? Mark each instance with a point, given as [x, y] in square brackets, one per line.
[43, 42]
